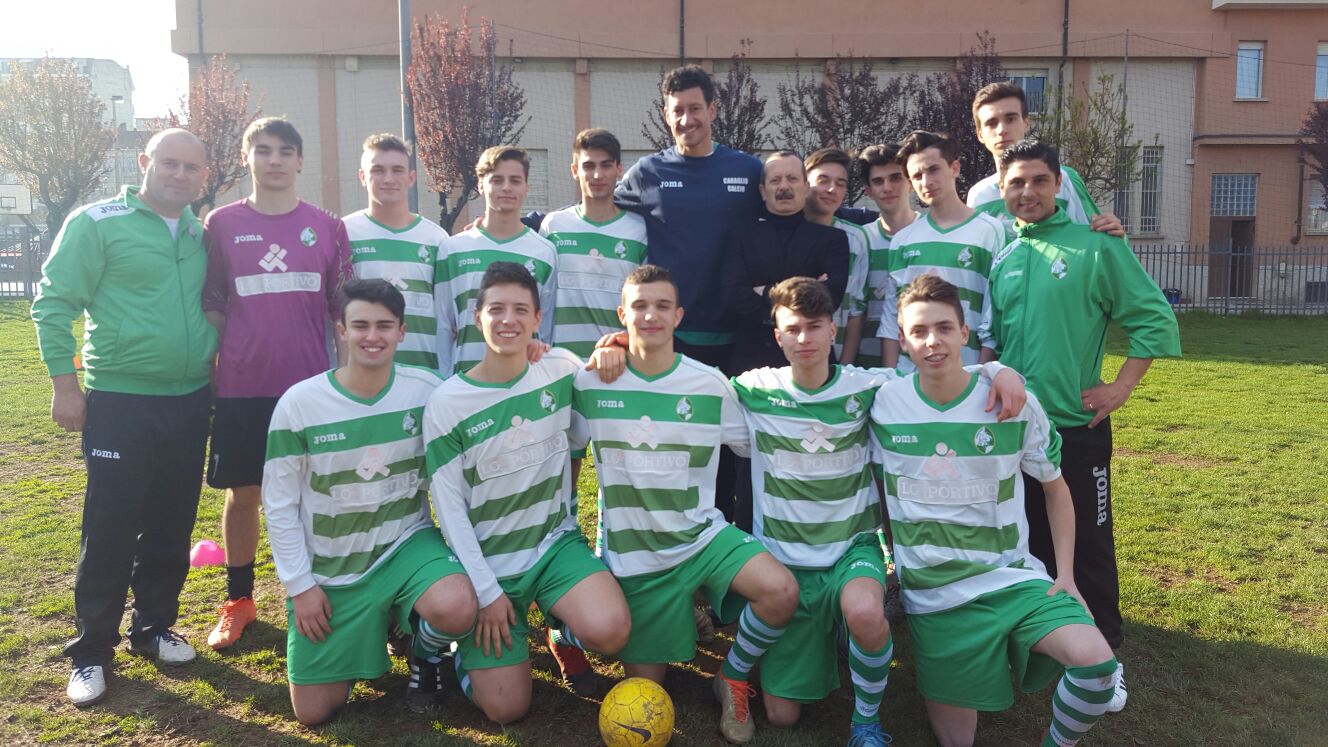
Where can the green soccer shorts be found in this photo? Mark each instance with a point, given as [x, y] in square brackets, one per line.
[964, 656]
[363, 611]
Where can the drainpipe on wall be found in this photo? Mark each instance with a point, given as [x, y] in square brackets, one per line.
[1300, 202]
[682, 32]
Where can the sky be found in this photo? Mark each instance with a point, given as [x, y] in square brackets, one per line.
[136, 34]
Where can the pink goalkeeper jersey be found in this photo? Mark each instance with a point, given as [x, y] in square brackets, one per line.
[276, 278]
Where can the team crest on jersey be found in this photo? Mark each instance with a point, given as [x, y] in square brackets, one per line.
[1059, 269]
[684, 409]
[530, 266]
[424, 253]
[966, 257]
[984, 440]
[941, 466]
[852, 407]
[308, 236]
[620, 249]
[816, 440]
[410, 425]
[548, 401]
[273, 259]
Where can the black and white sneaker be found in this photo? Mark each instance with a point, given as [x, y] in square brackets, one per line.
[1120, 694]
[87, 685]
[167, 647]
[425, 691]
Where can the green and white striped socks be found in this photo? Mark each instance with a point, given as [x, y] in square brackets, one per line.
[429, 641]
[1080, 700]
[754, 637]
[871, 671]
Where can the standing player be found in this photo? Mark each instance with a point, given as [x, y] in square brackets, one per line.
[980, 606]
[348, 513]
[887, 186]
[503, 171]
[498, 457]
[953, 241]
[1053, 294]
[827, 172]
[118, 263]
[598, 245]
[657, 432]
[1000, 115]
[275, 269]
[390, 242]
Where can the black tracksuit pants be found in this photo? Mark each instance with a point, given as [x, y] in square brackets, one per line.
[1086, 466]
[144, 457]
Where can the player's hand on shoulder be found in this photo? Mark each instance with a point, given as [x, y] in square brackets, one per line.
[610, 362]
[536, 350]
[494, 626]
[612, 339]
[313, 614]
[1007, 390]
[1107, 223]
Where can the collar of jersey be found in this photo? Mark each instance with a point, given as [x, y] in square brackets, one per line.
[677, 360]
[353, 397]
[917, 385]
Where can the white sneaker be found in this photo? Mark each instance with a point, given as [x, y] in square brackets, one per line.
[87, 685]
[168, 647]
[1118, 698]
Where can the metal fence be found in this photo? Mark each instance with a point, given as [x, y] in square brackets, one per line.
[21, 258]
[1234, 279]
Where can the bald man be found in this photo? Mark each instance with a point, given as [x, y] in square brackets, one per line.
[135, 265]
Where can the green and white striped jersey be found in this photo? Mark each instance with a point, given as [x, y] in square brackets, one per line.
[593, 261]
[961, 255]
[878, 269]
[345, 483]
[409, 259]
[656, 441]
[467, 255]
[855, 293]
[812, 484]
[1073, 197]
[500, 468]
[954, 491]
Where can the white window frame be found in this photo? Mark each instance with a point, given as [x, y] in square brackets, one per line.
[1019, 76]
[1321, 73]
[1250, 53]
[1316, 216]
[1150, 190]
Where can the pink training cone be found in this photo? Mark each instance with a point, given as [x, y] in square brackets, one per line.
[207, 552]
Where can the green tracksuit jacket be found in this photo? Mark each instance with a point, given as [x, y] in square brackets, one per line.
[1053, 292]
[145, 332]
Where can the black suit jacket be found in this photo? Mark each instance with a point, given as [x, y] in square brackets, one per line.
[757, 255]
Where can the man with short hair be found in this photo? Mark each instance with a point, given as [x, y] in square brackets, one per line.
[499, 464]
[275, 269]
[657, 431]
[1054, 291]
[980, 606]
[503, 172]
[827, 172]
[886, 185]
[121, 263]
[348, 516]
[388, 241]
[952, 241]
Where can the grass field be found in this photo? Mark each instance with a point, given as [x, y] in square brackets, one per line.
[1221, 514]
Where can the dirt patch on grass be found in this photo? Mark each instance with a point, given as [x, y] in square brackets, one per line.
[1170, 578]
[1184, 461]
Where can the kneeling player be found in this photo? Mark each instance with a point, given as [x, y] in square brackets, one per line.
[817, 511]
[501, 474]
[348, 514]
[657, 431]
[979, 604]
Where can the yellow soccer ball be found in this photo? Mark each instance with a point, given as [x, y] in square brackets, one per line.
[636, 713]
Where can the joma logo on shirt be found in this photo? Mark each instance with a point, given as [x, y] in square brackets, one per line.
[671, 184]
[472, 430]
[781, 402]
[469, 261]
[565, 242]
[326, 438]
[246, 238]
[610, 403]
[906, 439]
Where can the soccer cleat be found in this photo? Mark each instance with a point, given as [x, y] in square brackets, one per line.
[87, 685]
[869, 735]
[1118, 698]
[705, 627]
[235, 614]
[572, 663]
[735, 718]
[425, 691]
[167, 647]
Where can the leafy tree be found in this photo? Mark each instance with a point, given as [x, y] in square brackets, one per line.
[216, 109]
[52, 135]
[740, 119]
[1097, 140]
[464, 103]
[1313, 144]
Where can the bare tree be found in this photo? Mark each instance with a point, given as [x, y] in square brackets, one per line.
[1313, 143]
[1097, 140]
[52, 135]
[945, 104]
[740, 119]
[216, 109]
[464, 103]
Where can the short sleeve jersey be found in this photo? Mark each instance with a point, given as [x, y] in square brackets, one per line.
[409, 259]
[354, 470]
[656, 446]
[277, 279]
[593, 261]
[500, 468]
[955, 492]
[467, 256]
